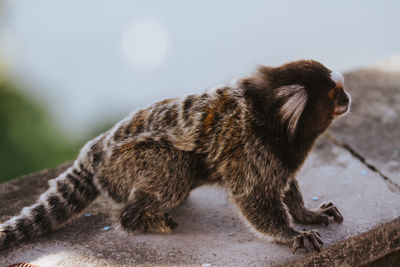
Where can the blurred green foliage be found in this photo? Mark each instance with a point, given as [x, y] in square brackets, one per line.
[28, 140]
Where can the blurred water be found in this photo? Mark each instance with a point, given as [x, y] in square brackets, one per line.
[69, 52]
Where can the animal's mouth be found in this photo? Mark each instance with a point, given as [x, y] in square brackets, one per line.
[340, 110]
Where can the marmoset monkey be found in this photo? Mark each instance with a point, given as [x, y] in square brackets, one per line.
[251, 138]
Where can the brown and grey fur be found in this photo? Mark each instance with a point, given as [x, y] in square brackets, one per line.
[250, 138]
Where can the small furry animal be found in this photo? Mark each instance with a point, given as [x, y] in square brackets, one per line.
[251, 138]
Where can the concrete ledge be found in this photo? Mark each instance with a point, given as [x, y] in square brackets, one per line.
[356, 165]
[210, 230]
[359, 250]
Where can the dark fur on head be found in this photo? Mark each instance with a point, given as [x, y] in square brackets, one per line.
[308, 75]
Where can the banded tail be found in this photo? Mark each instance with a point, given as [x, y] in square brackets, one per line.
[68, 195]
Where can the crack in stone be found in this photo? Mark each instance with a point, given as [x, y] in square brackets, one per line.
[362, 159]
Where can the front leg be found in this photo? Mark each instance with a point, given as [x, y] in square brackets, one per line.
[294, 201]
[266, 212]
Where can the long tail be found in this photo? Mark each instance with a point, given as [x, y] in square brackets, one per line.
[67, 196]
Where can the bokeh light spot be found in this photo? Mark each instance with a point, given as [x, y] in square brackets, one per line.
[145, 44]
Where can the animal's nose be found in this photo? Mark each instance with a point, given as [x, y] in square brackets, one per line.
[344, 99]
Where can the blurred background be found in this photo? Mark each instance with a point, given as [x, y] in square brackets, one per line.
[70, 69]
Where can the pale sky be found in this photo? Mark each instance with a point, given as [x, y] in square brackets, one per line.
[90, 61]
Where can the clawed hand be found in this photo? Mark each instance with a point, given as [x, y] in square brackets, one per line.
[307, 240]
[330, 210]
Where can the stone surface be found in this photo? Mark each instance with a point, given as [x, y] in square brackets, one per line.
[210, 230]
[372, 128]
[356, 165]
[367, 249]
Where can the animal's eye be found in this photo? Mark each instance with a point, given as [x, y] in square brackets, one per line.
[332, 93]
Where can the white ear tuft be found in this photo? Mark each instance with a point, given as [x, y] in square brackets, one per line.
[337, 78]
[293, 99]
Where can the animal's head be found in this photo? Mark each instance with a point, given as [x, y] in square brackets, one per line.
[305, 96]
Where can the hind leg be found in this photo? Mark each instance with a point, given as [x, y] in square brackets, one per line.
[144, 214]
[162, 181]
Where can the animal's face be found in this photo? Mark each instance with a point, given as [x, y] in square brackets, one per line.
[308, 96]
[326, 100]
[340, 98]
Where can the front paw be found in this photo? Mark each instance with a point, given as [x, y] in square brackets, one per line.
[331, 210]
[307, 240]
[321, 215]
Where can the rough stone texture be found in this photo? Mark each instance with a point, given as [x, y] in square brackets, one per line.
[209, 231]
[359, 250]
[356, 166]
[373, 128]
